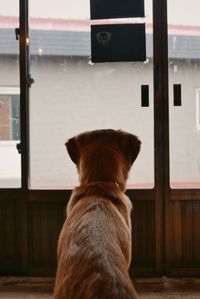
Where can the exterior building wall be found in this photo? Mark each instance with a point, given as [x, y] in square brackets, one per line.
[70, 96]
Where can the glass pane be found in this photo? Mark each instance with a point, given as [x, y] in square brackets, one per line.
[10, 160]
[184, 71]
[72, 95]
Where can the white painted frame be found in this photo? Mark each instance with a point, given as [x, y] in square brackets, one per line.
[9, 90]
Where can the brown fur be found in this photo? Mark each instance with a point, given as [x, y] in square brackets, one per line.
[94, 248]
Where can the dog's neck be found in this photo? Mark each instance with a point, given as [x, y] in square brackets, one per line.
[116, 185]
[110, 190]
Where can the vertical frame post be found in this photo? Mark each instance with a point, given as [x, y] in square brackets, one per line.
[161, 126]
[24, 130]
[24, 91]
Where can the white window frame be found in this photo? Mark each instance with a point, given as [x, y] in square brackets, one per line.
[9, 90]
[197, 108]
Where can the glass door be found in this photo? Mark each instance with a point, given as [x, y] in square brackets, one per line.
[70, 95]
[183, 204]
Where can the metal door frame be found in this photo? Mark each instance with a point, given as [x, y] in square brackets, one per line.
[23, 197]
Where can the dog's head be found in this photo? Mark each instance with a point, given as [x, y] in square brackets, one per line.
[104, 155]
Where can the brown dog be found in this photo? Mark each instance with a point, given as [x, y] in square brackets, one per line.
[94, 248]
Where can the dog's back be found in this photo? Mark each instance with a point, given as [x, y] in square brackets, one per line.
[94, 248]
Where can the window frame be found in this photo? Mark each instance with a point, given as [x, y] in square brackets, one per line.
[9, 91]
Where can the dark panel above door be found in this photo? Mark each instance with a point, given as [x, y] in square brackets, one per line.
[108, 9]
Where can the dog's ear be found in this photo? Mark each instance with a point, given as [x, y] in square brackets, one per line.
[131, 146]
[75, 145]
[73, 149]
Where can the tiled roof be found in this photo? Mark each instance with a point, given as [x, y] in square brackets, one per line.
[60, 43]
[184, 47]
[50, 37]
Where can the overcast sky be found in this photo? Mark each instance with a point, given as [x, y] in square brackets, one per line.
[179, 12]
